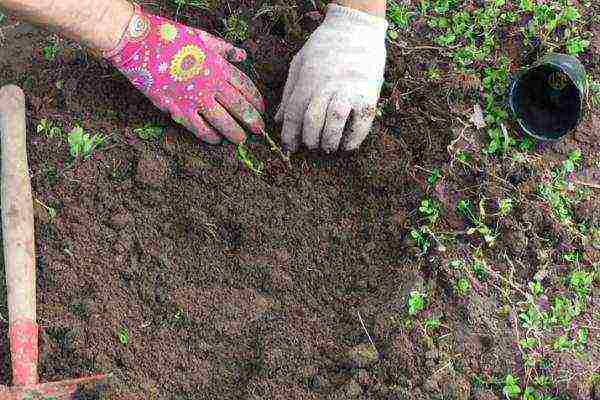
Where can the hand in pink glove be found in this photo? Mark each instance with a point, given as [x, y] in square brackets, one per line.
[184, 72]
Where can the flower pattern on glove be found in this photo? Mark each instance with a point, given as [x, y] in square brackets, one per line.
[183, 71]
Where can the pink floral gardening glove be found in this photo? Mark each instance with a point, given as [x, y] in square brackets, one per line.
[184, 72]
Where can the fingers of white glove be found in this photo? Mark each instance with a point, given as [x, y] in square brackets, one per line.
[362, 120]
[290, 85]
[314, 120]
[337, 114]
[292, 125]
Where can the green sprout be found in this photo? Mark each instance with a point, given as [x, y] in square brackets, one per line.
[511, 387]
[248, 159]
[236, 29]
[123, 336]
[81, 144]
[48, 128]
[462, 287]
[416, 303]
[149, 131]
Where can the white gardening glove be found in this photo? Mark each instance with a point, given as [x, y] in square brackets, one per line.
[338, 73]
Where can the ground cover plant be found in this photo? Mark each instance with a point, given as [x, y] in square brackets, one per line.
[450, 258]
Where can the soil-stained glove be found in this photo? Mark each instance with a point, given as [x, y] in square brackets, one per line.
[184, 72]
[338, 74]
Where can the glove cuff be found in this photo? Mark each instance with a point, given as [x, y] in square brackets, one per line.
[336, 12]
[136, 30]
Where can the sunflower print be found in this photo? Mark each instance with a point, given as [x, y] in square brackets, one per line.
[187, 63]
[168, 33]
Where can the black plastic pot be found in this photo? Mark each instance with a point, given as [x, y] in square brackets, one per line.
[548, 98]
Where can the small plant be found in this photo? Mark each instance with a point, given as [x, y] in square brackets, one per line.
[462, 287]
[536, 288]
[48, 128]
[422, 241]
[511, 387]
[581, 282]
[480, 270]
[50, 51]
[434, 177]
[248, 159]
[236, 29]
[50, 210]
[398, 14]
[81, 144]
[480, 227]
[179, 315]
[505, 207]
[572, 162]
[595, 92]
[430, 211]
[149, 131]
[416, 302]
[123, 336]
[432, 323]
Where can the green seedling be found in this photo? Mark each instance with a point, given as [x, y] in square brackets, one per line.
[511, 387]
[398, 14]
[50, 51]
[529, 343]
[434, 177]
[432, 323]
[50, 210]
[416, 303]
[150, 131]
[419, 237]
[236, 29]
[564, 310]
[248, 159]
[581, 282]
[480, 271]
[430, 211]
[207, 5]
[81, 144]
[594, 92]
[462, 287]
[573, 162]
[486, 232]
[123, 336]
[536, 288]
[505, 207]
[48, 128]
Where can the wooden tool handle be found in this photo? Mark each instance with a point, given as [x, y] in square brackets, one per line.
[17, 207]
[18, 238]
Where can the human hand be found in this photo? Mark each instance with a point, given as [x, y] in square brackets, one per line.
[338, 74]
[184, 71]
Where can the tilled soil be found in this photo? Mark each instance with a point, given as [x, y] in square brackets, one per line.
[236, 286]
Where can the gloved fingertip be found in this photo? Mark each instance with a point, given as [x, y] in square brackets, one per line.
[279, 115]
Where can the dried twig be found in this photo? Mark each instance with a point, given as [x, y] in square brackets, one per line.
[366, 331]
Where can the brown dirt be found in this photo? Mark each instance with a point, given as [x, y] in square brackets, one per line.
[237, 286]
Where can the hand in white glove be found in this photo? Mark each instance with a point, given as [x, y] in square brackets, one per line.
[338, 74]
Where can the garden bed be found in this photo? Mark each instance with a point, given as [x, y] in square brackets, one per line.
[470, 261]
